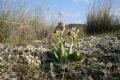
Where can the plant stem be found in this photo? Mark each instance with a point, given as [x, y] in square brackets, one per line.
[70, 50]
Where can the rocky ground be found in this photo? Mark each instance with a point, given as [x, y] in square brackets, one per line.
[101, 61]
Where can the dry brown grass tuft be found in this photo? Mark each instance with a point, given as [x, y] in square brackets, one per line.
[19, 25]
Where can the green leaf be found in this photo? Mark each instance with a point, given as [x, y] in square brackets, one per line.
[62, 53]
[56, 52]
[76, 56]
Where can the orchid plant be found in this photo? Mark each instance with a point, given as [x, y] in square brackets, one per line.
[60, 56]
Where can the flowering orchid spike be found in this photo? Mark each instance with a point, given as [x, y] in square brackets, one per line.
[60, 26]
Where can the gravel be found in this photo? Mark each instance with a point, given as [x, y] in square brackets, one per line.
[102, 61]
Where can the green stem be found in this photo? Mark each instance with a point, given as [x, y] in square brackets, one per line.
[71, 46]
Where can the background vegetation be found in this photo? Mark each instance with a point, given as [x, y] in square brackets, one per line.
[100, 18]
[18, 24]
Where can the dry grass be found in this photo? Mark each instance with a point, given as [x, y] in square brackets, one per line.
[100, 19]
[19, 25]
